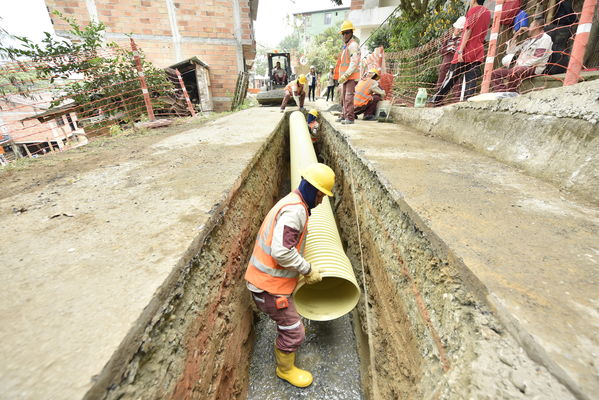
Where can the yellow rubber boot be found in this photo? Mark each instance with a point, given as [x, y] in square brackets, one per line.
[287, 370]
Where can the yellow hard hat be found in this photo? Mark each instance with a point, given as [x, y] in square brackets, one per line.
[302, 79]
[321, 176]
[313, 112]
[346, 26]
[375, 71]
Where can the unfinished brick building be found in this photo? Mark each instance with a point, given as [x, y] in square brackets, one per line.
[218, 32]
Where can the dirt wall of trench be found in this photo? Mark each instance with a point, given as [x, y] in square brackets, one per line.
[433, 334]
[198, 344]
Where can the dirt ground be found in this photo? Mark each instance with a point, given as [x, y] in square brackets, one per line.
[27, 174]
[95, 240]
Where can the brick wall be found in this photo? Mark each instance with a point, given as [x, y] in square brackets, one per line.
[206, 29]
[356, 4]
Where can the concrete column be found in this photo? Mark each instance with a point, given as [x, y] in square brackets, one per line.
[238, 34]
[92, 10]
[172, 17]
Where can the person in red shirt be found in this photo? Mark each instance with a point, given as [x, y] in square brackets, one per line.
[465, 66]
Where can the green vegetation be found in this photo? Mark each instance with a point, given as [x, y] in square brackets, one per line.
[109, 91]
[417, 23]
[324, 49]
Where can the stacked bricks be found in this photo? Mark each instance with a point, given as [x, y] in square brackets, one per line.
[356, 4]
[207, 29]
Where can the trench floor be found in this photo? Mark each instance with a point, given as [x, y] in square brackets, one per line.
[329, 353]
[532, 251]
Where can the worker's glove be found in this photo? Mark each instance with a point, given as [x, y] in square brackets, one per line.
[384, 94]
[313, 276]
[342, 79]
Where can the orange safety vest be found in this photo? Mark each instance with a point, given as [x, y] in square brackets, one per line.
[363, 92]
[289, 87]
[343, 62]
[263, 271]
[313, 125]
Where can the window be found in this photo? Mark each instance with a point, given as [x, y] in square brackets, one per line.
[59, 121]
[327, 18]
[307, 20]
[71, 123]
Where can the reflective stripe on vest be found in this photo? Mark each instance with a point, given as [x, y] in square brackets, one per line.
[363, 93]
[263, 271]
[344, 61]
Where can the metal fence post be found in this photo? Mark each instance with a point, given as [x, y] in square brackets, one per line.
[492, 51]
[142, 81]
[191, 110]
[580, 42]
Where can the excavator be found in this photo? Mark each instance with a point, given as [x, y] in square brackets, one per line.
[275, 88]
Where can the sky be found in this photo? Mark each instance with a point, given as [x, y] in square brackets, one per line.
[271, 24]
[25, 18]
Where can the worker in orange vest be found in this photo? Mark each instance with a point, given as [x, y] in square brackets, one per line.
[313, 125]
[347, 71]
[368, 94]
[277, 264]
[296, 90]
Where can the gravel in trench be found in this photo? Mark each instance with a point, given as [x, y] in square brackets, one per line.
[329, 352]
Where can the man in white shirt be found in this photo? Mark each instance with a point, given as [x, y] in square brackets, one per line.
[530, 57]
[279, 74]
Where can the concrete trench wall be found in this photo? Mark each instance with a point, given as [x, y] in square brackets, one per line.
[198, 344]
[434, 337]
[552, 134]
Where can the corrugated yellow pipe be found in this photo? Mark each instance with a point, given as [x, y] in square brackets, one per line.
[338, 293]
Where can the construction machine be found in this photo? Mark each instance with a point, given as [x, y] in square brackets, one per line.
[275, 87]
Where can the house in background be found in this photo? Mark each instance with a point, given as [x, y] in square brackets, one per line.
[196, 78]
[219, 32]
[35, 128]
[367, 15]
[312, 23]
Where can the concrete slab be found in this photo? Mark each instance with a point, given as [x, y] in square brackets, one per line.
[84, 257]
[533, 251]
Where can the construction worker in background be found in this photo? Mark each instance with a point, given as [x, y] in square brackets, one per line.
[368, 94]
[296, 90]
[346, 71]
[312, 79]
[2, 158]
[276, 263]
[313, 125]
[279, 74]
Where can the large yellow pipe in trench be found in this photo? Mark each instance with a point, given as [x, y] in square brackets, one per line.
[338, 293]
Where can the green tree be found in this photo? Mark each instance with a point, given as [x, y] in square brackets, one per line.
[291, 41]
[261, 61]
[324, 49]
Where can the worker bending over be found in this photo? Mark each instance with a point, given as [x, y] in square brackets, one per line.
[296, 90]
[346, 71]
[313, 125]
[277, 262]
[368, 94]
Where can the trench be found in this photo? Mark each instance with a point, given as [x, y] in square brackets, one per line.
[430, 337]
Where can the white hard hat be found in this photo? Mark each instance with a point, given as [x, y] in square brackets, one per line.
[312, 67]
[459, 23]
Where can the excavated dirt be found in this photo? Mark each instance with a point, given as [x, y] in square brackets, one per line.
[432, 336]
